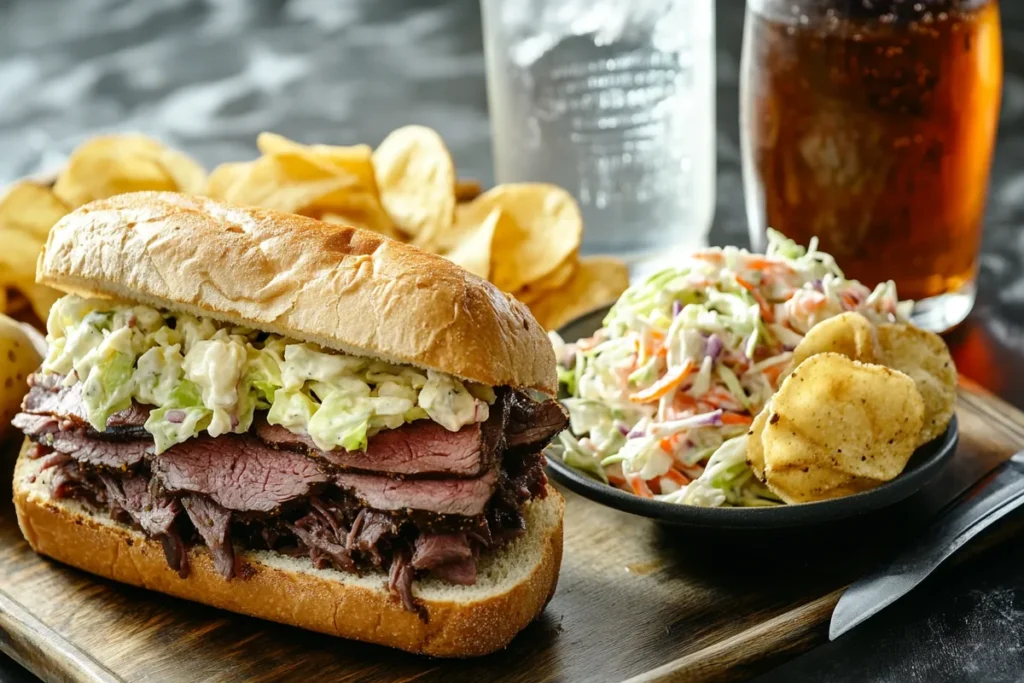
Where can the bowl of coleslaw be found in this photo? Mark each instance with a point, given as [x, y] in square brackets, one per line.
[662, 387]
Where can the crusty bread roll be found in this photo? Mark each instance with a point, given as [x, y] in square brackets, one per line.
[339, 287]
[512, 588]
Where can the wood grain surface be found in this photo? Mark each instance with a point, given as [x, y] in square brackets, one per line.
[636, 600]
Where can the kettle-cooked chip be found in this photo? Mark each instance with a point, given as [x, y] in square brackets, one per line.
[547, 226]
[598, 280]
[416, 178]
[925, 358]
[114, 164]
[850, 334]
[838, 426]
[755, 450]
[473, 252]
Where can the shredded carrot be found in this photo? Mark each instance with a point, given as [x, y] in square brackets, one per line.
[658, 347]
[736, 419]
[768, 265]
[678, 477]
[639, 486]
[766, 309]
[670, 381]
[685, 402]
[714, 257]
[813, 302]
[669, 443]
[616, 480]
[772, 373]
[719, 398]
[850, 300]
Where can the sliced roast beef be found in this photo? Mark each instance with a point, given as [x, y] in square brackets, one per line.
[466, 497]
[448, 556]
[154, 513]
[325, 546]
[134, 416]
[35, 425]
[77, 442]
[434, 550]
[54, 460]
[415, 449]
[367, 530]
[400, 581]
[420, 500]
[70, 480]
[533, 423]
[48, 396]
[418, 448]
[238, 472]
[214, 524]
[175, 552]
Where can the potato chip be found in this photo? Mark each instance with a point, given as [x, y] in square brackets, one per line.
[285, 182]
[474, 251]
[850, 334]
[549, 229]
[221, 182]
[416, 179]
[18, 258]
[21, 357]
[30, 208]
[467, 189]
[110, 165]
[925, 358]
[356, 160]
[41, 298]
[598, 280]
[364, 212]
[553, 280]
[838, 426]
[755, 451]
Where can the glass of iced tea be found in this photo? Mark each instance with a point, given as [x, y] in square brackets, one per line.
[870, 124]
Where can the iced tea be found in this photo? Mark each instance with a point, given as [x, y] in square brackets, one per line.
[871, 125]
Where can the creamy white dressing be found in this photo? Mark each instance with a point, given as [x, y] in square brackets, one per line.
[202, 375]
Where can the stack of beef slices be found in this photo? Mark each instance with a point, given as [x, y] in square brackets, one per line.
[419, 500]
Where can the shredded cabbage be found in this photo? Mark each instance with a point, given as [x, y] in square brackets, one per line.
[661, 397]
[205, 376]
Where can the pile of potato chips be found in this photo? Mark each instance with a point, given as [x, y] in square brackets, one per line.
[858, 402]
[522, 237]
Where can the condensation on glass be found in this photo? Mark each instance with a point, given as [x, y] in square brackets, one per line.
[613, 101]
[870, 124]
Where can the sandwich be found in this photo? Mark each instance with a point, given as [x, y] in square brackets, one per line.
[302, 422]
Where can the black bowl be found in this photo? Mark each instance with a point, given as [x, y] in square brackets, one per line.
[924, 465]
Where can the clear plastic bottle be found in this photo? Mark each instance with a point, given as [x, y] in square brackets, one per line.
[614, 101]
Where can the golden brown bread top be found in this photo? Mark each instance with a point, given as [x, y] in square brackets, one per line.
[339, 287]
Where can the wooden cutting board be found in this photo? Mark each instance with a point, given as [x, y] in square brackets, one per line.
[636, 601]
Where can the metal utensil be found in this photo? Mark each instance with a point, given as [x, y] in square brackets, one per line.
[992, 498]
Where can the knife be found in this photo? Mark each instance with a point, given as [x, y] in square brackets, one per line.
[995, 496]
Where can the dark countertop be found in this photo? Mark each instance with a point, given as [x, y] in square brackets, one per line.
[208, 76]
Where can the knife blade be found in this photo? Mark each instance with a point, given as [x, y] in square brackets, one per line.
[995, 496]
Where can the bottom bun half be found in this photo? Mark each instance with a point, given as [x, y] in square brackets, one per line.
[512, 588]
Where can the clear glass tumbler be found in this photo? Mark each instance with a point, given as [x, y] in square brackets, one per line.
[614, 101]
[871, 125]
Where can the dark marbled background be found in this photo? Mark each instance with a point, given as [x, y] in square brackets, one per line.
[208, 76]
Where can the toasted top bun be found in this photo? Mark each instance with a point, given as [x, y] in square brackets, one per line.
[345, 289]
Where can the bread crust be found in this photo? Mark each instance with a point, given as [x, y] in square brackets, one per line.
[319, 600]
[339, 287]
